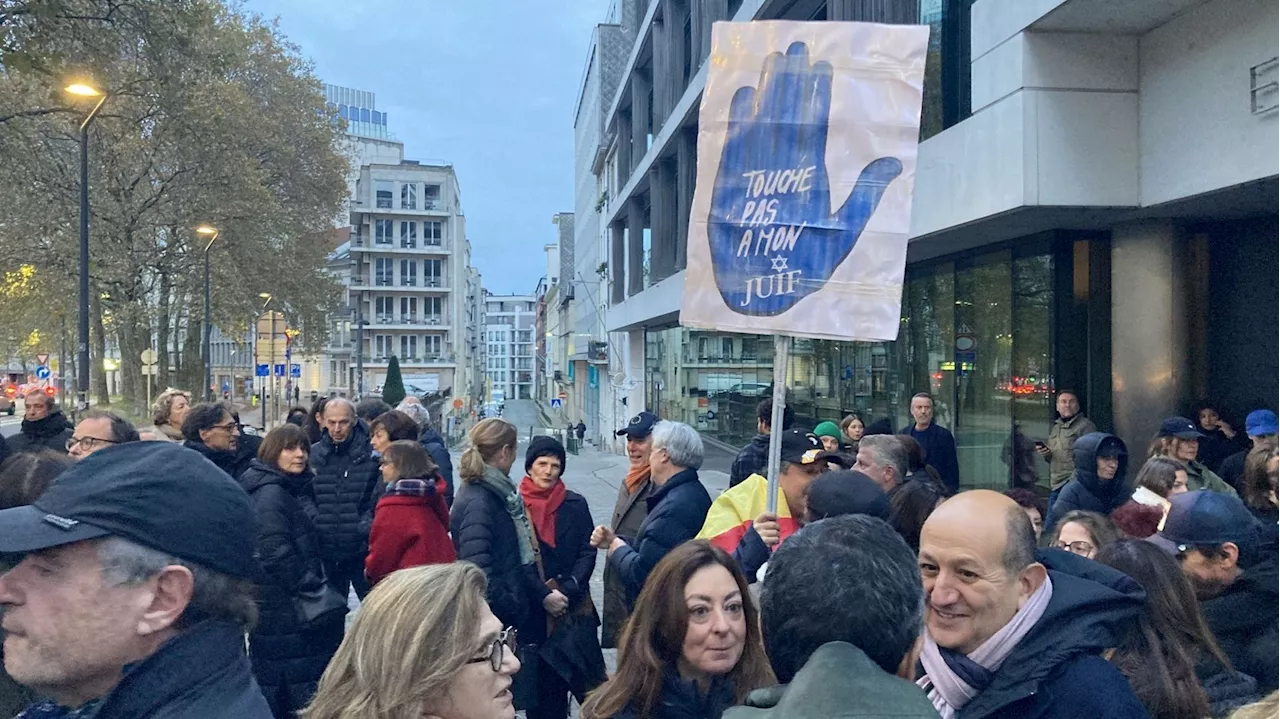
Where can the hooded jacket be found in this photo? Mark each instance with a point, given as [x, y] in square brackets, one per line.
[1243, 618]
[1061, 443]
[433, 442]
[50, 432]
[838, 682]
[751, 460]
[1085, 490]
[1056, 671]
[347, 487]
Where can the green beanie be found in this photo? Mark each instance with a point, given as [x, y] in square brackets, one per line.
[827, 429]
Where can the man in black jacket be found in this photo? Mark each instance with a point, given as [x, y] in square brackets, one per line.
[433, 442]
[43, 426]
[128, 609]
[753, 457]
[1231, 561]
[347, 487]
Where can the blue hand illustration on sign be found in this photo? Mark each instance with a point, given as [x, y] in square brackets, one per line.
[773, 235]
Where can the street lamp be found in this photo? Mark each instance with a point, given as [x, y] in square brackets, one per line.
[212, 234]
[79, 89]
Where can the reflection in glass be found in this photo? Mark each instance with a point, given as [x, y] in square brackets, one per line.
[982, 370]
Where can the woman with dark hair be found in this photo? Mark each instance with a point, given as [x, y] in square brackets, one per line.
[1158, 481]
[916, 468]
[912, 503]
[391, 427]
[692, 648]
[1169, 656]
[853, 427]
[1220, 440]
[288, 654]
[411, 522]
[314, 425]
[297, 416]
[1259, 485]
[1032, 504]
[1083, 533]
[25, 476]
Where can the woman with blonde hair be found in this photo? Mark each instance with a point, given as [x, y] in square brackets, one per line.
[169, 411]
[424, 644]
[491, 529]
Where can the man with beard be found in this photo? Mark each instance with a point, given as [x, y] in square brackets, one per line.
[43, 426]
[628, 514]
[1231, 561]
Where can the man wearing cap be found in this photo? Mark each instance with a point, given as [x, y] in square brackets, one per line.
[1179, 439]
[737, 521]
[1261, 426]
[1231, 561]
[628, 514]
[134, 594]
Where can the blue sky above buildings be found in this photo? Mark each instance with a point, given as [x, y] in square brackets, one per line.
[489, 86]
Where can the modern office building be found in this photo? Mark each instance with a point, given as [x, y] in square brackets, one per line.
[510, 321]
[1095, 209]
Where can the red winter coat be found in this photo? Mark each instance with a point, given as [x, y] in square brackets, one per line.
[407, 532]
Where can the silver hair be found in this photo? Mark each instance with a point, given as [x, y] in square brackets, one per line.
[341, 402]
[682, 442]
[889, 452]
[416, 412]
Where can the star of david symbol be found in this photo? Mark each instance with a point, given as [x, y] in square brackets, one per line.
[779, 263]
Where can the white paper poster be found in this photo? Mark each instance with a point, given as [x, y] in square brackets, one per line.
[806, 163]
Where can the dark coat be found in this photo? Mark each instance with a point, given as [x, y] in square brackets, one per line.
[681, 699]
[4, 449]
[286, 655]
[677, 510]
[939, 448]
[1232, 470]
[1226, 689]
[202, 673]
[485, 535]
[839, 680]
[1215, 446]
[433, 442]
[751, 460]
[52, 433]
[1056, 671]
[347, 488]
[408, 531]
[1243, 619]
[573, 559]
[1085, 491]
[628, 514]
[232, 463]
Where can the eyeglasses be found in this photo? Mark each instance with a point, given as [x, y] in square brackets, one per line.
[1081, 547]
[505, 640]
[228, 426]
[87, 443]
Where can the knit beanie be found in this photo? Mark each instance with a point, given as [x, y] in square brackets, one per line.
[827, 429]
[543, 446]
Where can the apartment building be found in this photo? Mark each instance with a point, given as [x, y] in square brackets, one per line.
[510, 322]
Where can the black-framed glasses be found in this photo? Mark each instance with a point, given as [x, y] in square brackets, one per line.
[506, 640]
[228, 426]
[87, 443]
[1081, 547]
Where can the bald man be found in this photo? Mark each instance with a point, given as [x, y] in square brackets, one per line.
[1011, 632]
[347, 487]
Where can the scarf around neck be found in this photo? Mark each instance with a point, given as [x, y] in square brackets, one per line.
[414, 487]
[543, 505]
[501, 485]
[953, 679]
[637, 476]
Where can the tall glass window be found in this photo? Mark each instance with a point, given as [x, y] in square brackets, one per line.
[382, 231]
[384, 188]
[409, 196]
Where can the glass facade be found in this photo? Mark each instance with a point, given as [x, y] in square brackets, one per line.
[977, 334]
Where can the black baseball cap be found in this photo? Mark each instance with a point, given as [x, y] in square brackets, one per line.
[1205, 519]
[801, 447]
[1179, 427]
[157, 494]
[835, 494]
[639, 426]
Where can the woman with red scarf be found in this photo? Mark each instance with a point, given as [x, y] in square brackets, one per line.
[562, 521]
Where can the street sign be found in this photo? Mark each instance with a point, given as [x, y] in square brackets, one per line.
[149, 370]
[556, 402]
[262, 370]
[42, 358]
[279, 370]
[295, 370]
[148, 356]
[457, 404]
[564, 395]
[42, 372]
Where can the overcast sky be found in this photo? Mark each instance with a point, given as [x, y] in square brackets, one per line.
[489, 86]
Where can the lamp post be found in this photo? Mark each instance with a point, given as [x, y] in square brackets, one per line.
[82, 335]
[212, 234]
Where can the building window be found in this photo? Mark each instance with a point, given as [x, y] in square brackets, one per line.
[408, 273]
[383, 268]
[384, 190]
[382, 347]
[431, 273]
[430, 197]
[433, 307]
[382, 231]
[433, 345]
[383, 309]
[409, 309]
[409, 196]
[409, 347]
[409, 234]
[431, 234]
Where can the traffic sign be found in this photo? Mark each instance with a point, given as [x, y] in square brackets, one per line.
[149, 370]
[457, 404]
[556, 402]
[42, 358]
[148, 356]
[295, 370]
[279, 370]
[563, 395]
[42, 372]
[262, 370]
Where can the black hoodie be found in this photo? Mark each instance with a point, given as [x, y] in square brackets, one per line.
[1085, 490]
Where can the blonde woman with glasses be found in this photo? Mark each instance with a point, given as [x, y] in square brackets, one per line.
[423, 646]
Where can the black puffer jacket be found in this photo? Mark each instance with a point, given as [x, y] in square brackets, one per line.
[677, 510]
[286, 656]
[435, 446]
[1085, 490]
[347, 488]
[51, 432]
[750, 460]
[681, 699]
[1243, 618]
[485, 535]
[229, 462]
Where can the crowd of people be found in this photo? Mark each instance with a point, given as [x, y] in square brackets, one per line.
[214, 576]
